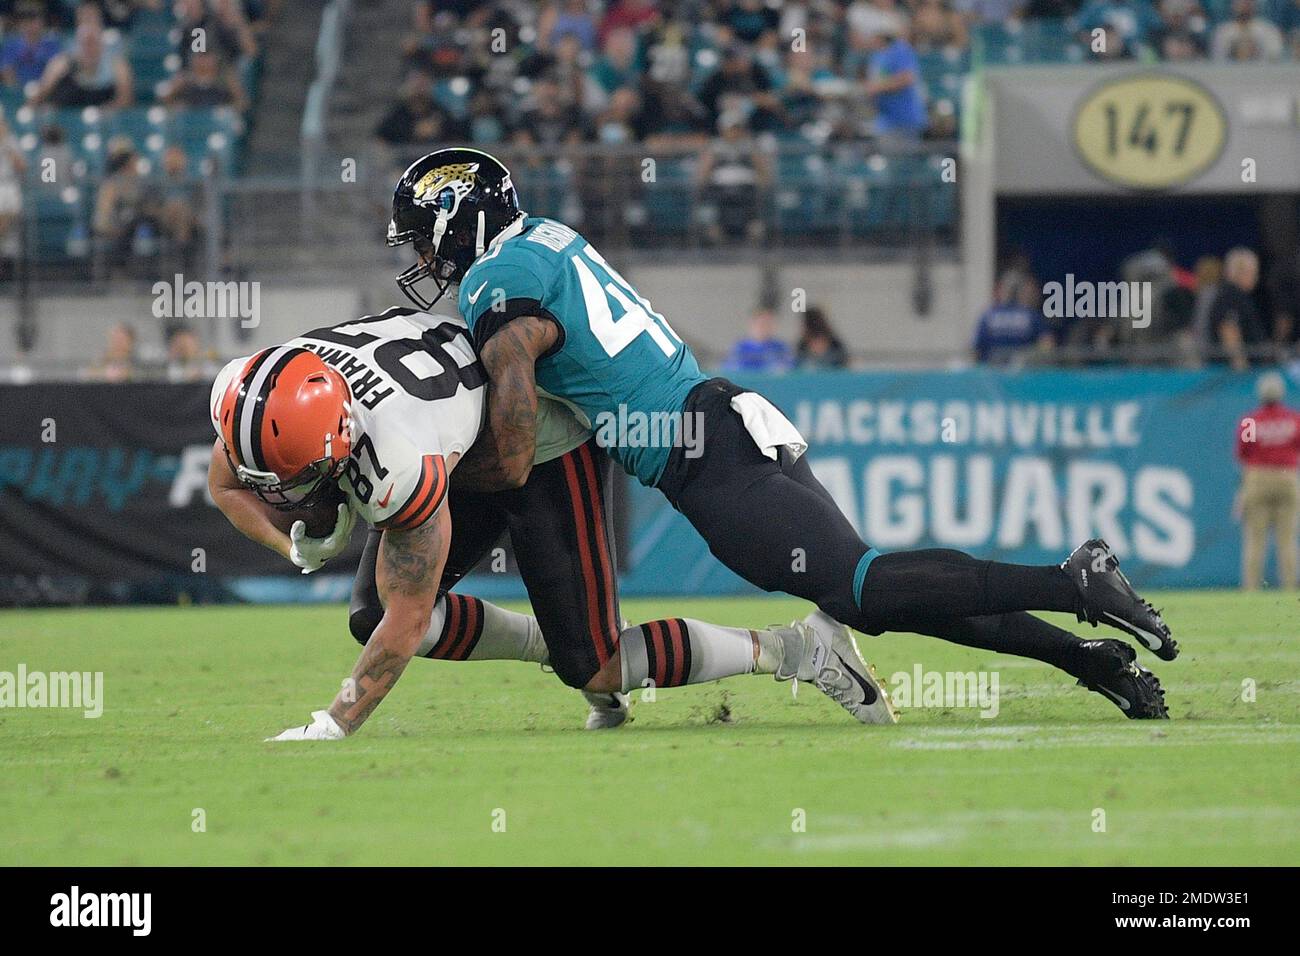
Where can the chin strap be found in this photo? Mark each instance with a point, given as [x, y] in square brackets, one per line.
[439, 228]
[479, 243]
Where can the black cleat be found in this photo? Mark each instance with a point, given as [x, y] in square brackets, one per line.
[1106, 597]
[1110, 668]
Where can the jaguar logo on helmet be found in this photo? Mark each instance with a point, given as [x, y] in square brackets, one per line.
[446, 186]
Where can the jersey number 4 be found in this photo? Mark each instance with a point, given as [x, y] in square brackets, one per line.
[635, 315]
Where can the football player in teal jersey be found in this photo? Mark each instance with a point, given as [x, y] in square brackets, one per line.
[550, 315]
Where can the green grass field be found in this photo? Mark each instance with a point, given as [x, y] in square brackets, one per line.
[190, 693]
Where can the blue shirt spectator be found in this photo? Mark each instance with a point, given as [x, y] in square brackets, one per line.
[25, 55]
[761, 351]
[896, 86]
[1007, 328]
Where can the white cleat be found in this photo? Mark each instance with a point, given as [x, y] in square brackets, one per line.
[822, 651]
[607, 710]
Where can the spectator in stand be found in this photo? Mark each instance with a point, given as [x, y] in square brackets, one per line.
[416, 117]
[872, 17]
[1234, 320]
[749, 19]
[222, 30]
[206, 83]
[617, 64]
[621, 121]
[1289, 23]
[762, 351]
[633, 14]
[1268, 448]
[672, 119]
[178, 215]
[124, 215]
[120, 13]
[549, 120]
[1209, 280]
[119, 359]
[485, 125]
[1013, 325]
[1181, 33]
[742, 86]
[417, 45]
[233, 22]
[91, 74]
[1157, 269]
[185, 359]
[574, 79]
[27, 53]
[1051, 9]
[730, 173]
[800, 105]
[819, 346]
[567, 18]
[1284, 295]
[1247, 36]
[935, 28]
[895, 86]
[989, 11]
[12, 167]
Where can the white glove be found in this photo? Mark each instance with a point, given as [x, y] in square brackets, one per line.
[311, 553]
[322, 727]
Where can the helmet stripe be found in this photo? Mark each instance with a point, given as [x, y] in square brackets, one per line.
[240, 400]
[250, 421]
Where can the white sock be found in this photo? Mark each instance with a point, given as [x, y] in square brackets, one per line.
[683, 651]
[463, 628]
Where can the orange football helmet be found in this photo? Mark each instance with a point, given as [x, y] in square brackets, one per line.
[285, 420]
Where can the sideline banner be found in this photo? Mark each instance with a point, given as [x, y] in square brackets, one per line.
[1015, 466]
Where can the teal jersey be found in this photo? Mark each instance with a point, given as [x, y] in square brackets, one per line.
[620, 363]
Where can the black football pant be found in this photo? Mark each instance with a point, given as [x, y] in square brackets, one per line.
[774, 524]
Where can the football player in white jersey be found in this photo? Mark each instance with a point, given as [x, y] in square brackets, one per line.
[378, 413]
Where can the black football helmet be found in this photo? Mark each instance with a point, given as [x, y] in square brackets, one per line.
[451, 204]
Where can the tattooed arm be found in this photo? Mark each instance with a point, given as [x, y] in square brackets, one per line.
[503, 455]
[408, 573]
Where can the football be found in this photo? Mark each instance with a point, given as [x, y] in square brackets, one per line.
[319, 517]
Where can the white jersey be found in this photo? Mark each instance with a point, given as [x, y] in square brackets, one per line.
[418, 398]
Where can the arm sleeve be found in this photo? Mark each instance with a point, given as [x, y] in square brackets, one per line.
[497, 293]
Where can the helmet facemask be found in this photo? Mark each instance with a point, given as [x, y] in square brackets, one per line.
[443, 270]
[306, 489]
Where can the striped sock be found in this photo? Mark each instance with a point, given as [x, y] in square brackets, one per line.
[463, 628]
[682, 651]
